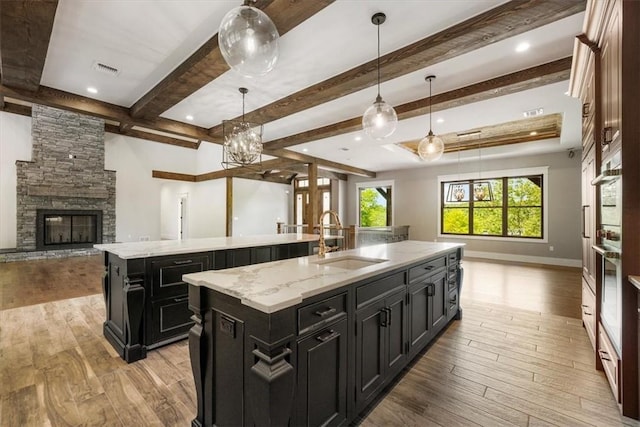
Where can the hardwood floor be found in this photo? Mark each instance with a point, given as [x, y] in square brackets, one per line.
[517, 357]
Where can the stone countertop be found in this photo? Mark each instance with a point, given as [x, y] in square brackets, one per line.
[273, 286]
[635, 280]
[132, 250]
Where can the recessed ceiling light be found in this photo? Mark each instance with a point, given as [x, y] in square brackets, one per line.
[358, 138]
[533, 113]
[305, 149]
[523, 47]
[566, 93]
[91, 89]
[534, 133]
[440, 120]
[189, 117]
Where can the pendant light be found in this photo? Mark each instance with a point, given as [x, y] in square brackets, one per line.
[242, 140]
[380, 119]
[248, 40]
[431, 147]
[482, 191]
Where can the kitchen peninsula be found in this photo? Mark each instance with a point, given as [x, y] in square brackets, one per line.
[313, 341]
[145, 297]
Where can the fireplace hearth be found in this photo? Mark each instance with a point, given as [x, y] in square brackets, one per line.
[67, 229]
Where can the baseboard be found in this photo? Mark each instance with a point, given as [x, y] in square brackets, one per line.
[565, 262]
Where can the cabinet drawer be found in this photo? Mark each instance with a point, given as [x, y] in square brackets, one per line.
[589, 312]
[453, 258]
[316, 315]
[378, 288]
[610, 362]
[169, 318]
[167, 274]
[426, 268]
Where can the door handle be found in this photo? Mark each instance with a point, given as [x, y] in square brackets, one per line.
[584, 223]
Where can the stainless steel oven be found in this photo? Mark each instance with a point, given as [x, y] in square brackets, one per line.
[609, 247]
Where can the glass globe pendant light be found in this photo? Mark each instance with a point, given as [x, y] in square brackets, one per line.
[248, 41]
[242, 140]
[380, 119]
[431, 147]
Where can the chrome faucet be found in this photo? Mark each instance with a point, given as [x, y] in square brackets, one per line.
[322, 248]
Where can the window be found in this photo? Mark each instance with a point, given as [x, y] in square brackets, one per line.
[375, 204]
[301, 199]
[510, 206]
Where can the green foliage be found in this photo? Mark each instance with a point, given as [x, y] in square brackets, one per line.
[455, 221]
[373, 208]
[487, 221]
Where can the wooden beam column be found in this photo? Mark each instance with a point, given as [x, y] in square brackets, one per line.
[229, 227]
[312, 211]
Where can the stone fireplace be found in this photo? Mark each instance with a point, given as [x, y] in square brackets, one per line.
[65, 182]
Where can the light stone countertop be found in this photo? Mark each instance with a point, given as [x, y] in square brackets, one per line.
[130, 250]
[273, 286]
[635, 280]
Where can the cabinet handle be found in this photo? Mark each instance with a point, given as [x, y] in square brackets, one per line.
[454, 300]
[183, 299]
[326, 312]
[431, 290]
[429, 267]
[329, 335]
[604, 355]
[586, 313]
[388, 311]
[585, 306]
[186, 261]
[584, 223]
[384, 320]
[585, 109]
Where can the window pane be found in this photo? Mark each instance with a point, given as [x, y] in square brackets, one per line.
[496, 193]
[524, 222]
[455, 221]
[525, 191]
[487, 221]
[456, 193]
[373, 207]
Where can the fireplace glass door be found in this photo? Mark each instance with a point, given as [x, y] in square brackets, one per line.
[69, 229]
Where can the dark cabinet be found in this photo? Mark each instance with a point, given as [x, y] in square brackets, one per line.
[322, 377]
[166, 273]
[380, 344]
[429, 307]
[169, 317]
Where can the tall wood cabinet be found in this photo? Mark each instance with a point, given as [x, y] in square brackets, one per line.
[605, 76]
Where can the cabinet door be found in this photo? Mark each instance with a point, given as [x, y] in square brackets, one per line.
[439, 302]
[589, 214]
[169, 318]
[322, 377]
[166, 273]
[238, 257]
[395, 348]
[261, 254]
[419, 321]
[369, 351]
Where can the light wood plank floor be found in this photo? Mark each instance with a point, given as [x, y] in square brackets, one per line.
[512, 360]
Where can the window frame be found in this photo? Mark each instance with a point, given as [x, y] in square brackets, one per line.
[374, 184]
[498, 174]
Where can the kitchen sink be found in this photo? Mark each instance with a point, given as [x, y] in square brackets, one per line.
[350, 262]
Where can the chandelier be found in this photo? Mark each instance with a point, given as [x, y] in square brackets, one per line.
[379, 120]
[248, 40]
[431, 147]
[242, 141]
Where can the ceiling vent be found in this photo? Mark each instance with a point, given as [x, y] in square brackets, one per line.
[106, 69]
[533, 113]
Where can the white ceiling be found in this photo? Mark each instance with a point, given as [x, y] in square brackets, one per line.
[147, 39]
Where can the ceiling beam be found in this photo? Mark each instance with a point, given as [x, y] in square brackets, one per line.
[173, 175]
[10, 107]
[150, 136]
[206, 64]
[25, 30]
[530, 78]
[303, 158]
[505, 21]
[322, 173]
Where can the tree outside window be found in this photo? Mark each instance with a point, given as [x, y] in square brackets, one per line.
[375, 206]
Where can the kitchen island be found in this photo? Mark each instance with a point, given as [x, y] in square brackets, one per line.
[145, 297]
[313, 341]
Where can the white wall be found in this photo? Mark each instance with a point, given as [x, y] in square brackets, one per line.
[258, 206]
[415, 198]
[15, 144]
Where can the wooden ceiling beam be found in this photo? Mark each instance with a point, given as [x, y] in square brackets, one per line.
[322, 173]
[206, 64]
[163, 139]
[303, 158]
[80, 104]
[25, 30]
[10, 107]
[502, 22]
[530, 78]
[173, 176]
